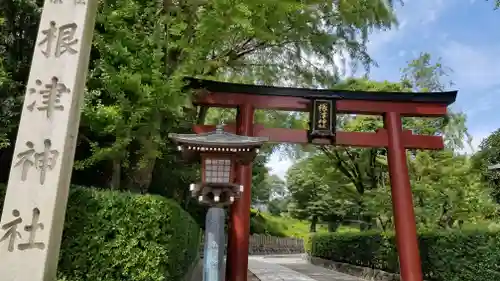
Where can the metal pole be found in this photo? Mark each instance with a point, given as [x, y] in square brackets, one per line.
[402, 201]
[214, 245]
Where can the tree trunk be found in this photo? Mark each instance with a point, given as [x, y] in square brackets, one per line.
[333, 226]
[143, 174]
[143, 171]
[116, 174]
[366, 223]
[314, 221]
[383, 224]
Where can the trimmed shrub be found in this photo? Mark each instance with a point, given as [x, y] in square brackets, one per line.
[446, 256]
[111, 236]
[278, 226]
[259, 224]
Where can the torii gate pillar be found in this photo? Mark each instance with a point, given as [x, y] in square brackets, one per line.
[402, 201]
[239, 227]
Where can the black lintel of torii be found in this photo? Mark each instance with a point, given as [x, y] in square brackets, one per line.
[447, 97]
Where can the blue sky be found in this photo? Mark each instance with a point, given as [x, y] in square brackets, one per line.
[465, 34]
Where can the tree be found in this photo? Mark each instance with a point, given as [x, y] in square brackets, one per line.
[488, 155]
[425, 75]
[447, 191]
[264, 185]
[18, 30]
[142, 51]
[261, 190]
[6, 109]
[497, 4]
[317, 192]
[219, 39]
[365, 170]
[278, 186]
[278, 206]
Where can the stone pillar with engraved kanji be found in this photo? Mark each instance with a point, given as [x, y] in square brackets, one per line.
[213, 252]
[33, 214]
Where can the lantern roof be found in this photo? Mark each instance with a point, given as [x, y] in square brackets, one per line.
[218, 138]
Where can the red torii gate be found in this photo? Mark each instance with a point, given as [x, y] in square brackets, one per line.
[392, 106]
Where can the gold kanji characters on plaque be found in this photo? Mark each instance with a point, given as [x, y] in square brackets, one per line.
[323, 115]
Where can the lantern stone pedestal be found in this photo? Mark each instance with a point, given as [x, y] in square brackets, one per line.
[219, 152]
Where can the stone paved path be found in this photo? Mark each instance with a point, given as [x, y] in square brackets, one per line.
[292, 268]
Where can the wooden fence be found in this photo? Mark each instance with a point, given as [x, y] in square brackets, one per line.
[270, 245]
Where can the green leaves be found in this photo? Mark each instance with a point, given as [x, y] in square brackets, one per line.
[425, 75]
[488, 155]
[445, 185]
[317, 190]
[446, 255]
[142, 50]
[274, 42]
[447, 193]
[497, 4]
[113, 236]
[18, 30]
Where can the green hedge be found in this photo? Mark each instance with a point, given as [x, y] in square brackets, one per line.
[111, 236]
[259, 224]
[472, 255]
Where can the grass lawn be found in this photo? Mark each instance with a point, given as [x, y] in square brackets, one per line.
[265, 223]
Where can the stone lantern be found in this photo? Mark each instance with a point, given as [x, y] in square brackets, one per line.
[218, 152]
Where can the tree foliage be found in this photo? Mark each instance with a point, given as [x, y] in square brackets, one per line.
[142, 50]
[317, 192]
[447, 191]
[489, 155]
[496, 3]
[266, 186]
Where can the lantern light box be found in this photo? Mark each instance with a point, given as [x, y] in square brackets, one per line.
[218, 152]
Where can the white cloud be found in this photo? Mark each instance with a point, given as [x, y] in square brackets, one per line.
[431, 10]
[413, 15]
[378, 40]
[475, 67]
[482, 104]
